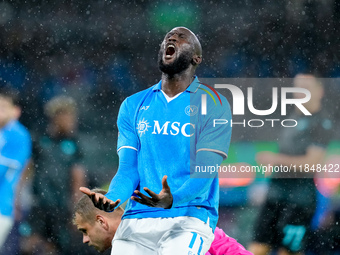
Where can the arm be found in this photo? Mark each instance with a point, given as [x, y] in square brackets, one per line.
[211, 148]
[27, 173]
[10, 160]
[314, 155]
[14, 155]
[318, 138]
[126, 180]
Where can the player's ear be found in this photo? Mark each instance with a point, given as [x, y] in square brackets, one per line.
[196, 60]
[102, 221]
[17, 112]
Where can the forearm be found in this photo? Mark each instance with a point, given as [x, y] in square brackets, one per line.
[314, 155]
[126, 180]
[287, 160]
[198, 183]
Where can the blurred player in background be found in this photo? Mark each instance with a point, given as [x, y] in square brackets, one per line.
[99, 227]
[57, 177]
[285, 219]
[15, 151]
[162, 137]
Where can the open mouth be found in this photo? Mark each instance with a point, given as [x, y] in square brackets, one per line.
[170, 50]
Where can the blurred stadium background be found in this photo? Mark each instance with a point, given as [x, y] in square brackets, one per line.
[100, 52]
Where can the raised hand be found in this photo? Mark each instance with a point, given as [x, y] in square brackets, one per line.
[162, 200]
[99, 200]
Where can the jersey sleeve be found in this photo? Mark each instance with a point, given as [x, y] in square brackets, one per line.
[216, 132]
[126, 180]
[15, 153]
[127, 137]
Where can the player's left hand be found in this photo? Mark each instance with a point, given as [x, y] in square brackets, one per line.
[162, 200]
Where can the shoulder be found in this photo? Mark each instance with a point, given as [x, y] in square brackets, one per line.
[24, 131]
[134, 100]
[17, 131]
[139, 95]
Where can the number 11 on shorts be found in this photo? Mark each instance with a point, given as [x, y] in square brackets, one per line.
[192, 242]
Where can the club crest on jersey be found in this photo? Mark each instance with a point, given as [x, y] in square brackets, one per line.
[191, 110]
[142, 126]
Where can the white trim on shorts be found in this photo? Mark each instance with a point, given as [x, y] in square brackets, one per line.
[6, 224]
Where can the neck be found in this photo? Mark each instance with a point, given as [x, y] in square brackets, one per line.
[5, 123]
[113, 226]
[177, 83]
[55, 132]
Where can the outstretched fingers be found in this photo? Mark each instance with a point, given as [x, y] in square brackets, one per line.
[86, 191]
[141, 195]
[109, 206]
[143, 199]
[151, 193]
[165, 183]
[163, 199]
[99, 200]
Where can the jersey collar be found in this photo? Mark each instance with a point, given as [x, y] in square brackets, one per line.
[193, 87]
[10, 124]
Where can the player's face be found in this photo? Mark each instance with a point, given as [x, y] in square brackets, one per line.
[176, 51]
[93, 234]
[65, 122]
[7, 110]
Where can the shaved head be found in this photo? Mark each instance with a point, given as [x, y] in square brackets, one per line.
[196, 43]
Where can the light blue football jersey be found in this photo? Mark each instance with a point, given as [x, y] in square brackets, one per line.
[167, 136]
[15, 151]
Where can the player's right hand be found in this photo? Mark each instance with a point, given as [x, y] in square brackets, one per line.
[99, 200]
